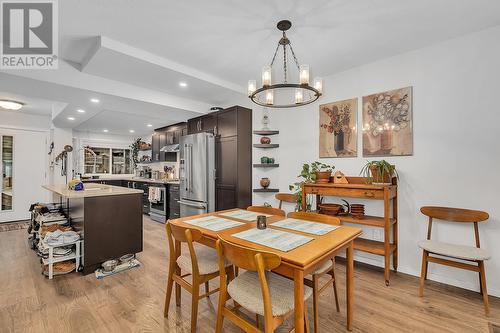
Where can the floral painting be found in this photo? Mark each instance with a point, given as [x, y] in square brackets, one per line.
[387, 123]
[338, 129]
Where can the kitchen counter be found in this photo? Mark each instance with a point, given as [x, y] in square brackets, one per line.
[134, 179]
[90, 190]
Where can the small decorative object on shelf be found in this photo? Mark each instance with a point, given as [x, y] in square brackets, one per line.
[339, 178]
[265, 140]
[265, 122]
[379, 172]
[265, 182]
[261, 222]
[264, 159]
[358, 211]
[322, 172]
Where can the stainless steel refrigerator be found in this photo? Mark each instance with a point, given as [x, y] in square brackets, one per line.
[197, 174]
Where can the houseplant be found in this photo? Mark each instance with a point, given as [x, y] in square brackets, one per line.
[135, 147]
[379, 172]
[322, 172]
[308, 175]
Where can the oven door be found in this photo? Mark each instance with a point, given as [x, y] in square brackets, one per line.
[160, 207]
[190, 208]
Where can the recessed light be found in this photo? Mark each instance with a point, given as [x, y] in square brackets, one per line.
[94, 100]
[10, 105]
[105, 130]
[183, 84]
[80, 111]
[132, 131]
[149, 125]
[71, 118]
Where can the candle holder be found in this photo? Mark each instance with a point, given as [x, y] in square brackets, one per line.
[261, 222]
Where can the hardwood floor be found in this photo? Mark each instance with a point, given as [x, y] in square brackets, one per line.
[133, 301]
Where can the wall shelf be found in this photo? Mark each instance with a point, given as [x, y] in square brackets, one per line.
[270, 145]
[266, 190]
[266, 165]
[266, 132]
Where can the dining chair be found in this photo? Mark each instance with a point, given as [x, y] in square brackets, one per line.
[327, 268]
[475, 255]
[267, 210]
[257, 289]
[201, 264]
[286, 197]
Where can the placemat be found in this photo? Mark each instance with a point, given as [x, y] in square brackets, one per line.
[309, 227]
[276, 239]
[213, 223]
[242, 214]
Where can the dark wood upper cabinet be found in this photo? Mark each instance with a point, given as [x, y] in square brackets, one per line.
[168, 135]
[206, 123]
[227, 123]
[155, 147]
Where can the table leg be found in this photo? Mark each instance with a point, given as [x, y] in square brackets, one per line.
[298, 279]
[349, 284]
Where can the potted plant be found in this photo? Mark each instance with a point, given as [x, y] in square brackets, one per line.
[379, 172]
[322, 172]
[308, 175]
[135, 147]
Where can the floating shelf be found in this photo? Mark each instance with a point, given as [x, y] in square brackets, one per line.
[270, 145]
[268, 190]
[266, 132]
[266, 165]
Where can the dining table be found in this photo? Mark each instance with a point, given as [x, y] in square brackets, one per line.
[296, 263]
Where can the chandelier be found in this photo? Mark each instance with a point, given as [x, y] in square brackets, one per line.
[287, 94]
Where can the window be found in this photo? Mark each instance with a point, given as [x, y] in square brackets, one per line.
[116, 161]
[6, 161]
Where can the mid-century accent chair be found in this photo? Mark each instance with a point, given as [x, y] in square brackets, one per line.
[286, 197]
[475, 255]
[267, 210]
[201, 264]
[327, 268]
[257, 289]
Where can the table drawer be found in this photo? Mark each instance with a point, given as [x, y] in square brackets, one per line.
[347, 192]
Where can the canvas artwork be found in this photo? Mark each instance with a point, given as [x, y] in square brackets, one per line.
[338, 129]
[387, 123]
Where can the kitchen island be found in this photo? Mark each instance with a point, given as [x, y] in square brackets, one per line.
[109, 219]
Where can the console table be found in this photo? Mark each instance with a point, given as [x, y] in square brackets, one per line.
[358, 188]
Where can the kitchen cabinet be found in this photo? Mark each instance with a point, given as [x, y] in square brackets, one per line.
[164, 136]
[232, 128]
[173, 201]
[155, 147]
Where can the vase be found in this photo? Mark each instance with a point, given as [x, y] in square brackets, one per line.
[339, 141]
[265, 182]
[386, 140]
[265, 140]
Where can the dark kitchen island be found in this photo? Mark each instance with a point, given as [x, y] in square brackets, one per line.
[109, 219]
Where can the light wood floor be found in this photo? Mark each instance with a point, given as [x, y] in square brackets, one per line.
[133, 301]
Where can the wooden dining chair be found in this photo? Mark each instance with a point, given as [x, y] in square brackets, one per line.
[286, 197]
[201, 264]
[257, 289]
[267, 210]
[475, 255]
[328, 268]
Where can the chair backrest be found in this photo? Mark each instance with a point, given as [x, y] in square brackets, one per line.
[455, 215]
[267, 210]
[286, 197]
[177, 235]
[315, 217]
[250, 260]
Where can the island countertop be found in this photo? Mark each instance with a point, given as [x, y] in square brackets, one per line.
[90, 190]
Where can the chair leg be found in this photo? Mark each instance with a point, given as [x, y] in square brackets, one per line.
[315, 302]
[220, 316]
[423, 273]
[207, 288]
[177, 288]
[306, 320]
[194, 306]
[335, 293]
[170, 283]
[482, 278]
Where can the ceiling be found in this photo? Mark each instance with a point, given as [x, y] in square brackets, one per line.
[133, 54]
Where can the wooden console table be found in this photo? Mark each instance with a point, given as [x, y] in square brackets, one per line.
[358, 188]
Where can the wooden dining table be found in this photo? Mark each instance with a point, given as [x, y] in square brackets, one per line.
[296, 263]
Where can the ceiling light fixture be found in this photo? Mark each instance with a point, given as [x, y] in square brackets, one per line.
[94, 100]
[131, 131]
[183, 84]
[80, 111]
[149, 125]
[10, 105]
[302, 93]
[105, 130]
[71, 118]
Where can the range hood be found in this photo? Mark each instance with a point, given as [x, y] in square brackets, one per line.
[170, 148]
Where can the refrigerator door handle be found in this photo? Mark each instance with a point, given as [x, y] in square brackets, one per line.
[193, 204]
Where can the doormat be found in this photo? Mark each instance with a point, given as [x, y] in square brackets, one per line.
[101, 274]
[494, 328]
[14, 226]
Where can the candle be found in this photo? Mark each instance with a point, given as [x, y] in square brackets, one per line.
[318, 84]
[266, 76]
[298, 96]
[304, 74]
[269, 98]
[252, 84]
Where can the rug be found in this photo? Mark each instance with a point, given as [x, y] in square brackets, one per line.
[14, 226]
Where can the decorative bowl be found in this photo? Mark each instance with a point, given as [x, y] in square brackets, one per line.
[330, 209]
[265, 140]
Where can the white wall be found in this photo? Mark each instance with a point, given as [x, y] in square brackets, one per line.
[30, 161]
[456, 152]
